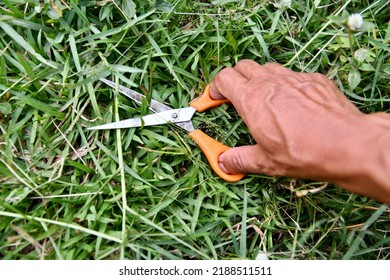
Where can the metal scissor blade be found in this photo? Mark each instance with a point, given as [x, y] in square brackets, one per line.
[154, 105]
[181, 115]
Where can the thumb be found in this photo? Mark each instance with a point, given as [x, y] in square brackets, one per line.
[244, 159]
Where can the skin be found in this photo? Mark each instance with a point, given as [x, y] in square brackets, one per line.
[304, 127]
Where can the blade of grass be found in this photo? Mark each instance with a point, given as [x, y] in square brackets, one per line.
[298, 53]
[168, 181]
[21, 41]
[359, 239]
[74, 52]
[122, 177]
[165, 60]
[39, 105]
[61, 224]
[257, 32]
[243, 238]
[173, 236]
[14, 9]
[198, 205]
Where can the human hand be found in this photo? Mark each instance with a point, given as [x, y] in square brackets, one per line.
[301, 122]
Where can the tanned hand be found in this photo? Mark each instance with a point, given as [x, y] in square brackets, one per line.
[304, 127]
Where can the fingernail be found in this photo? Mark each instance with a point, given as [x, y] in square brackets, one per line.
[223, 168]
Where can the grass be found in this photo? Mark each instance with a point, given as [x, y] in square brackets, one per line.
[69, 193]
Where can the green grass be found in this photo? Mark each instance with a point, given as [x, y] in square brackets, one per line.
[69, 193]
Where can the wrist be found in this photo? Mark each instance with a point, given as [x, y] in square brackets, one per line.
[365, 168]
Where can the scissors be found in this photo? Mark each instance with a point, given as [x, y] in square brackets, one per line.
[164, 114]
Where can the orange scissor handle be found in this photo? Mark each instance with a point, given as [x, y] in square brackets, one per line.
[204, 102]
[212, 150]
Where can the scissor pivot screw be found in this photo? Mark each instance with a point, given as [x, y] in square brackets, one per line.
[174, 115]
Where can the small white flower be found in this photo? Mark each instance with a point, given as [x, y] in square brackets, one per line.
[355, 21]
[38, 9]
[282, 4]
[262, 256]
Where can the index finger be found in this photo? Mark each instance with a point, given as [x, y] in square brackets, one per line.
[250, 69]
[226, 84]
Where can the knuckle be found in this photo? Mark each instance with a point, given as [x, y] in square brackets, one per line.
[248, 63]
[224, 74]
[277, 68]
[271, 65]
[237, 162]
[318, 76]
[222, 77]
[321, 78]
[244, 62]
